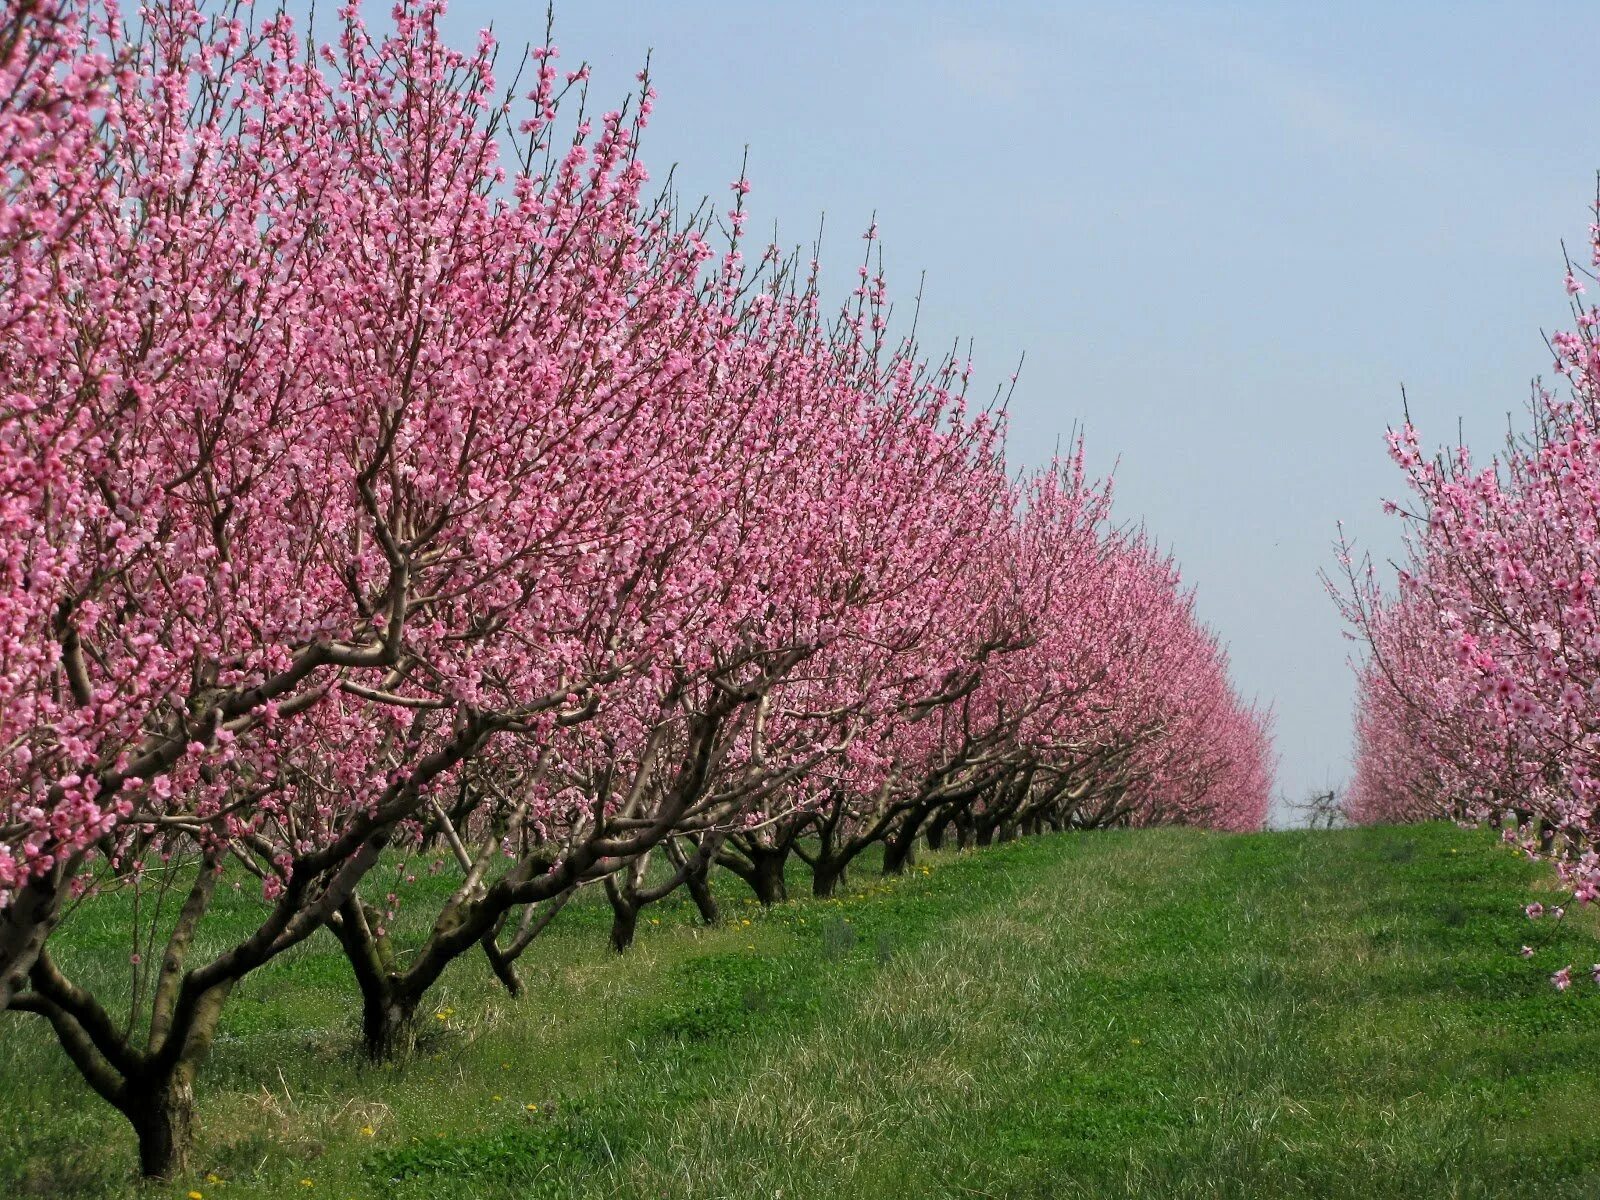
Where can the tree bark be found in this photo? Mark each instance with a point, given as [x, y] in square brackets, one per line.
[696, 871]
[388, 1009]
[769, 885]
[964, 833]
[24, 925]
[624, 924]
[699, 884]
[762, 869]
[826, 875]
[505, 970]
[162, 1115]
[388, 1027]
[900, 851]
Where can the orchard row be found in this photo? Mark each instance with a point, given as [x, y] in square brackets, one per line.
[1479, 697]
[384, 466]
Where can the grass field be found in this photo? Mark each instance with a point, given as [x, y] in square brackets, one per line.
[1160, 1013]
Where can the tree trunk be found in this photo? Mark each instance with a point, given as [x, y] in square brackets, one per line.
[936, 833]
[388, 1026]
[964, 833]
[900, 852]
[624, 923]
[769, 871]
[162, 1115]
[826, 875]
[763, 872]
[388, 1008]
[699, 884]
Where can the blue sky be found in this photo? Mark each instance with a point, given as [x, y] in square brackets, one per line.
[1224, 236]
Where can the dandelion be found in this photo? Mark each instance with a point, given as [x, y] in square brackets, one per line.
[367, 1131]
[531, 1107]
[196, 1196]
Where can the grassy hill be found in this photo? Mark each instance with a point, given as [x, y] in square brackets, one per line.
[1161, 1013]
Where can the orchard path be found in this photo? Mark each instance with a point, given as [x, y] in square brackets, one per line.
[1151, 1013]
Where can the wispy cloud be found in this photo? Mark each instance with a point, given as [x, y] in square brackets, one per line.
[1305, 100]
[1312, 106]
[986, 67]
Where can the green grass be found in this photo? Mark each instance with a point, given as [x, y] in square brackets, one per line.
[1161, 1013]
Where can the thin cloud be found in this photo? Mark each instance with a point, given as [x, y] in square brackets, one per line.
[1304, 101]
[983, 67]
[1310, 105]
